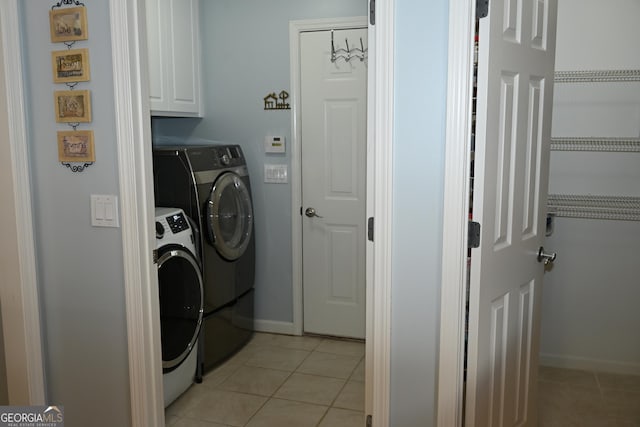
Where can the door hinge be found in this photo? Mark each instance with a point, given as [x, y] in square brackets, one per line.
[372, 12]
[369, 421]
[155, 256]
[474, 234]
[482, 8]
[370, 229]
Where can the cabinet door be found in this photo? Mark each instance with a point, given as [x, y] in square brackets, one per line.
[184, 44]
[157, 55]
[173, 44]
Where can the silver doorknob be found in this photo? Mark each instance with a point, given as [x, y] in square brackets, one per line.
[311, 212]
[546, 257]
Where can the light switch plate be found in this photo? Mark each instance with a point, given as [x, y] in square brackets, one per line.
[276, 174]
[104, 210]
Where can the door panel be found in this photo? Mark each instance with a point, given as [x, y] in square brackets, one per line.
[333, 140]
[513, 129]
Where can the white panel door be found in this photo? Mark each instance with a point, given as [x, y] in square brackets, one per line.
[513, 130]
[333, 141]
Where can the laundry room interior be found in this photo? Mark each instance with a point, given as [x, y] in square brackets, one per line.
[241, 58]
[588, 313]
[244, 60]
[245, 57]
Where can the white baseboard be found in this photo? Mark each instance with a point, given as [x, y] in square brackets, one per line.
[274, 327]
[586, 364]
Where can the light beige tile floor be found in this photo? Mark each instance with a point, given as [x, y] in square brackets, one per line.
[573, 398]
[284, 381]
[279, 381]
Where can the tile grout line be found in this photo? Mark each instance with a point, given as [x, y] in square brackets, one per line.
[271, 396]
[243, 363]
[595, 373]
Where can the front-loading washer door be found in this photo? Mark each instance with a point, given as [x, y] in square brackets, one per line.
[229, 216]
[181, 304]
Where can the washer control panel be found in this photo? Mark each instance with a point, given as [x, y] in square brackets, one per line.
[177, 223]
[173, 227]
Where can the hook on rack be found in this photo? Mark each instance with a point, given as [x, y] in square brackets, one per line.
[349, 53]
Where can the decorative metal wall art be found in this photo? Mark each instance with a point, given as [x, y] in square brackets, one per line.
[277, 102]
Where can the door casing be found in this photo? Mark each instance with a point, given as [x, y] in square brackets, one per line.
[133, 136]
[455, 213]
[379, 189]
[21, 320]
[295, 29]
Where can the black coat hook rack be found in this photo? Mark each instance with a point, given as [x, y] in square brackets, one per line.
[348, 53]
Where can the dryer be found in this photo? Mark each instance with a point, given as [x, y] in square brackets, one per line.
[211, 183]
[180, 288]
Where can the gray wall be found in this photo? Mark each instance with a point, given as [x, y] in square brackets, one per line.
[590, 316]
[80, 270]
[245, 57]
[420, 84]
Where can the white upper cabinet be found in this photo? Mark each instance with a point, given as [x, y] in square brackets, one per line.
[173, 41]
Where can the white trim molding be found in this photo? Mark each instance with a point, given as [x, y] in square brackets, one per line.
[295, 28]
[23, 346]
[379, 195]
[133, 133]
[380, 206]
[456, 209]
[274, 327]
[587, 364]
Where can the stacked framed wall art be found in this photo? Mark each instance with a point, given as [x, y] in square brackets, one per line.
[68, 22]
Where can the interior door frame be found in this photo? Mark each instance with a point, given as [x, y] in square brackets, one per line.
[295, 29]
[128, 37]
[455, 215]
[379, 191]
[21, 317]
[133, 136]
[133, 139]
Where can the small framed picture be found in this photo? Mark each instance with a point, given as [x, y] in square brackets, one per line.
[76, 146]
[73, 106]
[68, 24]
[70, 65]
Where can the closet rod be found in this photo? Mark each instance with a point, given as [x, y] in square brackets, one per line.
[587, 76]
[623, 208]
[628, 145]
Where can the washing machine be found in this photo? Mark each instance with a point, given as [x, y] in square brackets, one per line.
[181, 300]
[211, 184]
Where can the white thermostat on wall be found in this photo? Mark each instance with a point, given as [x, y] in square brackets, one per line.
[274, 144]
